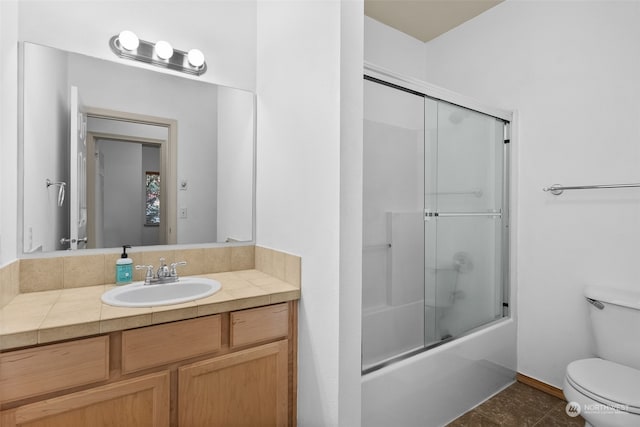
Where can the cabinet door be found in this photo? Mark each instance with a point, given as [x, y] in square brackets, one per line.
[139, 402]
[246, 388]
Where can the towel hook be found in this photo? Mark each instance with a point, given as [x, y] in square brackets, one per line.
[61, 186]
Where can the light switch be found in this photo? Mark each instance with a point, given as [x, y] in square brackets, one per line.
[183, 212]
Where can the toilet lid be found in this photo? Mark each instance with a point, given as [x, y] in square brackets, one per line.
[607, 382]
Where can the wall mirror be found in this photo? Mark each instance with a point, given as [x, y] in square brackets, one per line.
[113, 154]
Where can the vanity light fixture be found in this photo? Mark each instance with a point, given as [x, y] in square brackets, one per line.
[129, 40]
[162, 54]
[195, 57]
[164, 50]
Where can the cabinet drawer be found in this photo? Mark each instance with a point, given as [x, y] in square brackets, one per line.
[30, 372]
[158, 345]
[259, 324]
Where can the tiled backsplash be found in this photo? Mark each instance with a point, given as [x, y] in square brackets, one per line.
[278, 264]
[43, 274]
[9, 282]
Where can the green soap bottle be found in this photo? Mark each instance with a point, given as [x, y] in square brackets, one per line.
[124, 268]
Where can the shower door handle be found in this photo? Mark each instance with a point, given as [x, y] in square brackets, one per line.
[428, 214]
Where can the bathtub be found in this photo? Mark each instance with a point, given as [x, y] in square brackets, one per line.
[434, 387]
[391, 330]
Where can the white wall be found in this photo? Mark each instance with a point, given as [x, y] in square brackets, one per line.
[350, 303]
[46, 133]
[393, 50]
[224, 30]
[235, 168]
[298, 186]
[303, 68]
[123, 211]
[571, 70]
[8, 130]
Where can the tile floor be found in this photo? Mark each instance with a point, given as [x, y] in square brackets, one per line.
[519, 406]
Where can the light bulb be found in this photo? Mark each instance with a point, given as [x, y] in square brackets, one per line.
[164, 50]
[128, 40]
[196, 58]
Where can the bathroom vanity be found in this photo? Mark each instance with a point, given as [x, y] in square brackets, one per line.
[68, 359]
[218, 370]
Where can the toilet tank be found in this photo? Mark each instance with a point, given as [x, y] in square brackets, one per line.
[615, 319]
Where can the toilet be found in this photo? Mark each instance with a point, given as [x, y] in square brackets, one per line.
[606, 388]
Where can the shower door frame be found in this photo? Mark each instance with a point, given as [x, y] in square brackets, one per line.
[432, 91]
[389, 78]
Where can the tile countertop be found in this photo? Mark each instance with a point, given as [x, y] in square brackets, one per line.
[42, 317]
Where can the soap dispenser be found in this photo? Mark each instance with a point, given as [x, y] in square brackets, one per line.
[124, 268]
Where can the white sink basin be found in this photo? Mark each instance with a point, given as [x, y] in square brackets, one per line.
[138, 295]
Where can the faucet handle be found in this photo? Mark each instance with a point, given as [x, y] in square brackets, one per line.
[173, 265]
[149, 275]
[148, 267]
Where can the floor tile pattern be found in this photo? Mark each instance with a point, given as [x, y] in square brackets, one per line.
[519, 406]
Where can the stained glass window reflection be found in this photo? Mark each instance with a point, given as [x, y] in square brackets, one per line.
[152, 204]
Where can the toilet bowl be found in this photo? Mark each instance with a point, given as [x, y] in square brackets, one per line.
[605, 390]
[607, 393]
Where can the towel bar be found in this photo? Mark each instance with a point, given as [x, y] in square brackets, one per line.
[557, 189]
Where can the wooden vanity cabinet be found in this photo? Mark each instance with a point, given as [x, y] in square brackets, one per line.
[35, 371]
[249, 385]
[228, 369]
[138, 402]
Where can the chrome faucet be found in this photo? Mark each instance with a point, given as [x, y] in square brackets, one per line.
[163, 270]
[164, 274]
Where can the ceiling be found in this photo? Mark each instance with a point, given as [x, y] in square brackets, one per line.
[425, 19]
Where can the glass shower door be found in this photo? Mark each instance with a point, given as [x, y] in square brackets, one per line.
[393, 224]
[434, 224]
[464, 219]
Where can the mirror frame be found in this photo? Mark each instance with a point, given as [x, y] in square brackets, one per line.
[95, 112]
